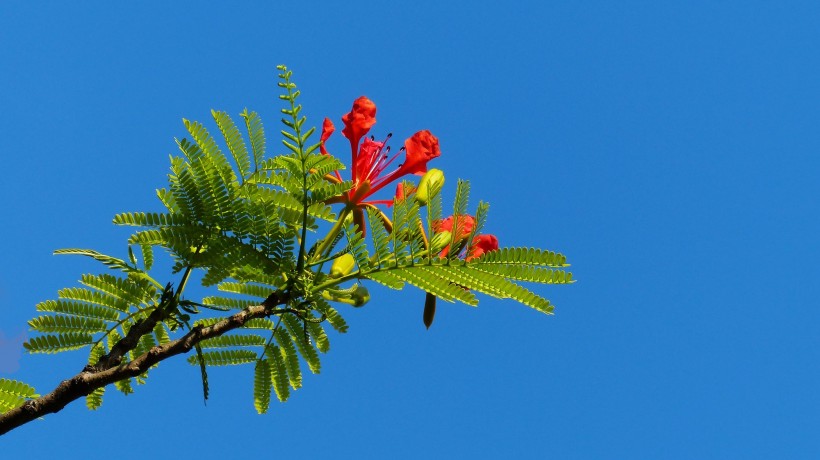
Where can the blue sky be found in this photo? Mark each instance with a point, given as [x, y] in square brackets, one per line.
[669, 150]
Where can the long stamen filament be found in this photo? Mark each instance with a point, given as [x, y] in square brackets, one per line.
[377, 158]
[384, 166]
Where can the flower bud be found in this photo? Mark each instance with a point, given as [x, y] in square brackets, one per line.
[342, 266]
[439, 241]
[432, 180]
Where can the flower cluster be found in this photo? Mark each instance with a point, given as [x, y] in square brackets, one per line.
[370, 159]
[373, 168]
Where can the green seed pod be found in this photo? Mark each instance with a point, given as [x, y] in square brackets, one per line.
[429, 309]
[342, 266]
[432, 180]
[360, 296]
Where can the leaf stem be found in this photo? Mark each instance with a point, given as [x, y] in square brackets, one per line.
[324, 246]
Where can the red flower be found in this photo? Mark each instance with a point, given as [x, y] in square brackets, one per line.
[359, 121]
[370, 158]
[465, 223]
[421, 148]
[327, 130]
[482, 244]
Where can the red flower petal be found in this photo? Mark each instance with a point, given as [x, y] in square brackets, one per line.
[327, 130]
[481, 245]
[364, 161]
[359, 121]
[465, 222]
[419, 149]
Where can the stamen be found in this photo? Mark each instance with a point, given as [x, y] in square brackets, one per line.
[379, 159]
[382, 167]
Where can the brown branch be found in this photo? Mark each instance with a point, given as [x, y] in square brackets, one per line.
[90, 379]
[129, 342]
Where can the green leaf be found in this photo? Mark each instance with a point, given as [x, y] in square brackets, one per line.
[93, 400]
[237, 340]
[419, 276]
[491, 284]
[149, 219]
[259, 323]
[289, 357]
[256, 133]
[205, 143]
[332, 316]
[279, 373]
[386, 278]
[236, 145]
[147, 256]
[13, 393]
[79, 309]
[94, 298]
[63, 323]
[524, 256]
[261, 386]
[319, 336]
[161, 334]
[381, 239]
[462, 198]
[228, 302]
[225, 357]
[357, 246]
[55, 343]
[527, 273]
[108, 261]
[294, 327]
[480, 220]
[133, 291]
[144, 344]
[254, 290]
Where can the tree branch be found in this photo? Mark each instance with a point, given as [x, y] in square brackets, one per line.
[92, 378]
[129, 342]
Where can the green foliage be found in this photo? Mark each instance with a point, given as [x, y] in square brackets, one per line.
[480, 221]
[279, 373]
[357, 246]
[243, 222]
[402, 257]
[524, 256]
[98, 316]
[51, 343]
[14, 393]
[224, 357]
[380, 236]
[261, 386]
[93, 400]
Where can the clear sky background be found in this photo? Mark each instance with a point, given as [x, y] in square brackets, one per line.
[670, 150]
